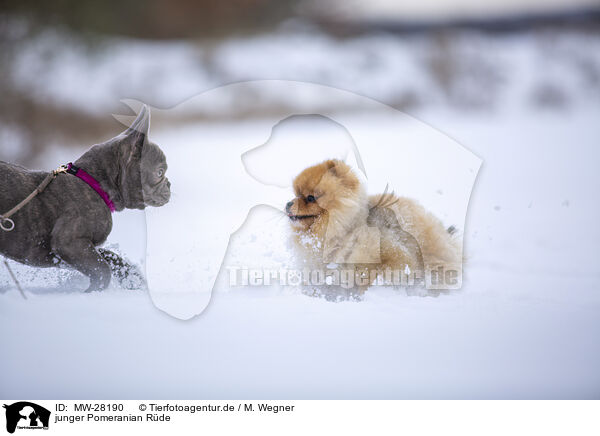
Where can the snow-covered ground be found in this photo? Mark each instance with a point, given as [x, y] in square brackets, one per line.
[524, 325]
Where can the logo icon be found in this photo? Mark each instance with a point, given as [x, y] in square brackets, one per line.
[26, 415]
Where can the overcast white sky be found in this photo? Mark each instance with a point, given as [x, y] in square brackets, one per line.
[447, 9]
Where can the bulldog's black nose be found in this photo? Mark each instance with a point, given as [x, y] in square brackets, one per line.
[289, 206]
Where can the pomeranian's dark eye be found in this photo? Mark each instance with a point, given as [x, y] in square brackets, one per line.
[310, 198]
[160, 173]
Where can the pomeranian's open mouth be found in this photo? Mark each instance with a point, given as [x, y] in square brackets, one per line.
[300, 217]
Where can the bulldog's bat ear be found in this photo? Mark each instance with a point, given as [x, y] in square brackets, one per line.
[137, 133]
[142, 122]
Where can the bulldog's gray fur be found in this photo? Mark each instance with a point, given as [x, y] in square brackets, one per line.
[69, 219]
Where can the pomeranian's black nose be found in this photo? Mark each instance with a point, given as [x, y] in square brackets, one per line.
[289, 206]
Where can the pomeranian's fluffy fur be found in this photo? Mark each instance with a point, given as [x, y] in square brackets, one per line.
[336, 222]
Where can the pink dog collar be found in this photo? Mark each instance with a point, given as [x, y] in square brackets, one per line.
[87, 178]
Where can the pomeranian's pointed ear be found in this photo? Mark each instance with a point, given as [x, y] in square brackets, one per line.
[336, 167]
[137, 133]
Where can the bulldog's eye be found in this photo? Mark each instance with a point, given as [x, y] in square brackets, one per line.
[311, 199]
[160, 173]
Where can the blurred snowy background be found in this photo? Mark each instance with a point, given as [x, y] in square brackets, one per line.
[65, 65]
[515, 82]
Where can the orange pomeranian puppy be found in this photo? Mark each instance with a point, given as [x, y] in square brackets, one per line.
[337, 225]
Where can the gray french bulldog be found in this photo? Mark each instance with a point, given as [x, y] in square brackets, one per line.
[69, 219]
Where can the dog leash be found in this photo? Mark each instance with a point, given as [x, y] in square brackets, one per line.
[12, 275]
[6, 223]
